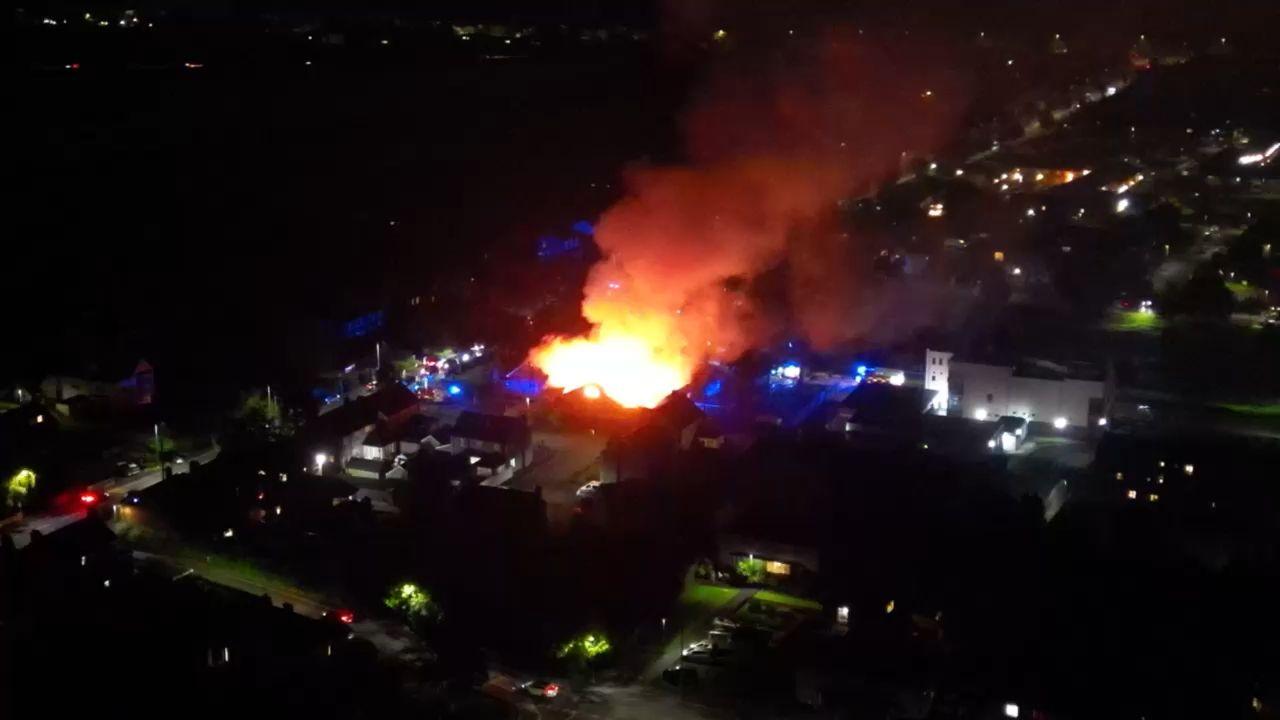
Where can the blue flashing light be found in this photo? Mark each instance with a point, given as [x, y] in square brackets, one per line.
[712, 389]
[455, 389]
[582, 227]
[862, 369]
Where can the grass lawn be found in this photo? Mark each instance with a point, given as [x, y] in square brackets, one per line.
[785, 600]
[1243, 291]
[1258, 410]
[1132, 321]
[706, 596]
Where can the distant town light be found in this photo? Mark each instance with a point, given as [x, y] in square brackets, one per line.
[1011, 710]
[1189, 469]
[980, 414]
[1132, 494]
[1102, 422]
[888, 607]
[959, 172]
[229, 532]
[719, 35]
[1122, 205]
[842, 614]
[1059, 423]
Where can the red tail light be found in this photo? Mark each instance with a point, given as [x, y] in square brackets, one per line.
[88, 498]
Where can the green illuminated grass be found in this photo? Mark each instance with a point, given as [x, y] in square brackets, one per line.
[1132, 321]
[710, 596]
[1261, 410]
[785, 600]
[1242, 290]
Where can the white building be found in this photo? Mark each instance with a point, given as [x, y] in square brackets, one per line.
[1036, 390]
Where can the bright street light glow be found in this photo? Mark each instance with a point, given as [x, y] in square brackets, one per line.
[1102, 422]
[1122, 205]
[897, 379]
[980, 413]
[1011, 710]
[1059, 423]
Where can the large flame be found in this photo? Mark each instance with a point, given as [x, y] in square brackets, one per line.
[632, 367]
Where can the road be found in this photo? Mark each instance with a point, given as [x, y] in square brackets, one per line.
[600, 702]
[112, 488]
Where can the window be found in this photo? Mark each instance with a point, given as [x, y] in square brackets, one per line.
[773, 567]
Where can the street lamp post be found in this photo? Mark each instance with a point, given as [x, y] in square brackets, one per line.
[159, 459]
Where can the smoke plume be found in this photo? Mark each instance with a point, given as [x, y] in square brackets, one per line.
[775, 143]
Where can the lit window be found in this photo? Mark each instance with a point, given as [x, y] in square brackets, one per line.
[1011, 710]
[1153, 497]
[842, 614]
[774, 567]
[1189, 469]
[1119, 476]
[1133, 494]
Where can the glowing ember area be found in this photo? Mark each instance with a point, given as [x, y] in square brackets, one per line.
[631, 371]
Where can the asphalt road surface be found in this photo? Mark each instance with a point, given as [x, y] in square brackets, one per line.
[115, 489]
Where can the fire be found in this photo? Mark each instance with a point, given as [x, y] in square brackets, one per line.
[632, 370]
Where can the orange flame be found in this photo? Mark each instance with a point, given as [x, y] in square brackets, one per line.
[632, 369]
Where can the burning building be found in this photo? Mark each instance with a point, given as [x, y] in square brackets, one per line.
[773, 148]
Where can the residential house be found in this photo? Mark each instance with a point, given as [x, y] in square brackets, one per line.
[341, 435]
[479, 434]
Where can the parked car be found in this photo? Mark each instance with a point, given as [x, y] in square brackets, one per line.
[725, 623]
[704, 652]
[541, 688]
[680, 676]
[127, 469]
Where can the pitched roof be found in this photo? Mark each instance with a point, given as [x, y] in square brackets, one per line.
[491, 428]
[389, 400]
[677, 411]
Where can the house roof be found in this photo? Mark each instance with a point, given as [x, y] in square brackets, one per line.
[882, 404]
[391, 399]
[502, 429]
[677, 411]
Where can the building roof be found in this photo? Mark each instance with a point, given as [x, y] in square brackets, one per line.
[881, 404]
[677, 412]
[391, 399]
[503, 429]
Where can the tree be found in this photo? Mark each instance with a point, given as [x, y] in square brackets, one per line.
[408, 366]
[751, 569]
[259, 411]
[584, 648]
[18, 487]
[417, 605]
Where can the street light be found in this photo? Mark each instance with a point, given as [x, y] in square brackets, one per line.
[159, 460]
